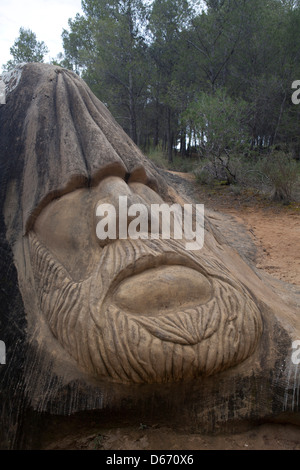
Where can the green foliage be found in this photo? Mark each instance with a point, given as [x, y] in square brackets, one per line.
[107, 47]
[185, 165]
[158, 157]
[282, 176]
[276, 174]
[182, 79]
[218, 123]
[26, 48]
[148, 61]
[204, 176]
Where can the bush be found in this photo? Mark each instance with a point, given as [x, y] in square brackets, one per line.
[203, 176]
[215, 170]
[236, 190]
[276, 174]
[281, 172]
[184, 165]
[158, 157]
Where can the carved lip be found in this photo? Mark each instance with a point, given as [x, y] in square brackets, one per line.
[159, 283]
[153, 261]
[130, 259]
[160, 290]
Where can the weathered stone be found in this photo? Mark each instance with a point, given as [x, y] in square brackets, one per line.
[134, 326]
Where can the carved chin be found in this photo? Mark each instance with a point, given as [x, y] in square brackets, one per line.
[151, 313]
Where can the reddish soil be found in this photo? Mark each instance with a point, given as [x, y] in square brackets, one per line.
[274, 227]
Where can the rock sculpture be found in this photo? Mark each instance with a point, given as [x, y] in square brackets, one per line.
[90, 325]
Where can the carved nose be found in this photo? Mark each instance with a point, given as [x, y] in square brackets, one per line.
[122, 217]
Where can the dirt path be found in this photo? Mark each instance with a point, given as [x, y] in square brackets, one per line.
[274, 228]
[277, 236]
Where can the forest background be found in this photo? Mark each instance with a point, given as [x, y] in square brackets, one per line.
[209, 87]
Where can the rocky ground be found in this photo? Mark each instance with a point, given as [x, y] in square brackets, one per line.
[265, 437]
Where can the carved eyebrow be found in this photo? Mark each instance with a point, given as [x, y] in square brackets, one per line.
[138, 175]
[74, 183]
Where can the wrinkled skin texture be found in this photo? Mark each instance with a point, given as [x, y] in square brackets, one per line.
[141, 311]
[136, 310]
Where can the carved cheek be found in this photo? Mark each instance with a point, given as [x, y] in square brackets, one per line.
[65, 227]
[146, 193]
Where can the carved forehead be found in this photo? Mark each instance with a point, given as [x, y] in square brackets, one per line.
[56, 136]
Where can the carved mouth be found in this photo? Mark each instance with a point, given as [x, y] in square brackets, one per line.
[159, 283]
[150, 313]
[160, 290]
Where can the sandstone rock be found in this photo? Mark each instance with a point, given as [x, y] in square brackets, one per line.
[136, 327]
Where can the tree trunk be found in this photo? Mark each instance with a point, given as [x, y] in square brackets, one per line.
[183, 143]
[169, 137]
[156, 129]
[133, 131]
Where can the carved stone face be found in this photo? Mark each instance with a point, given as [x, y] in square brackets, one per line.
[138, 311]
[94, 325]
[129, 311]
